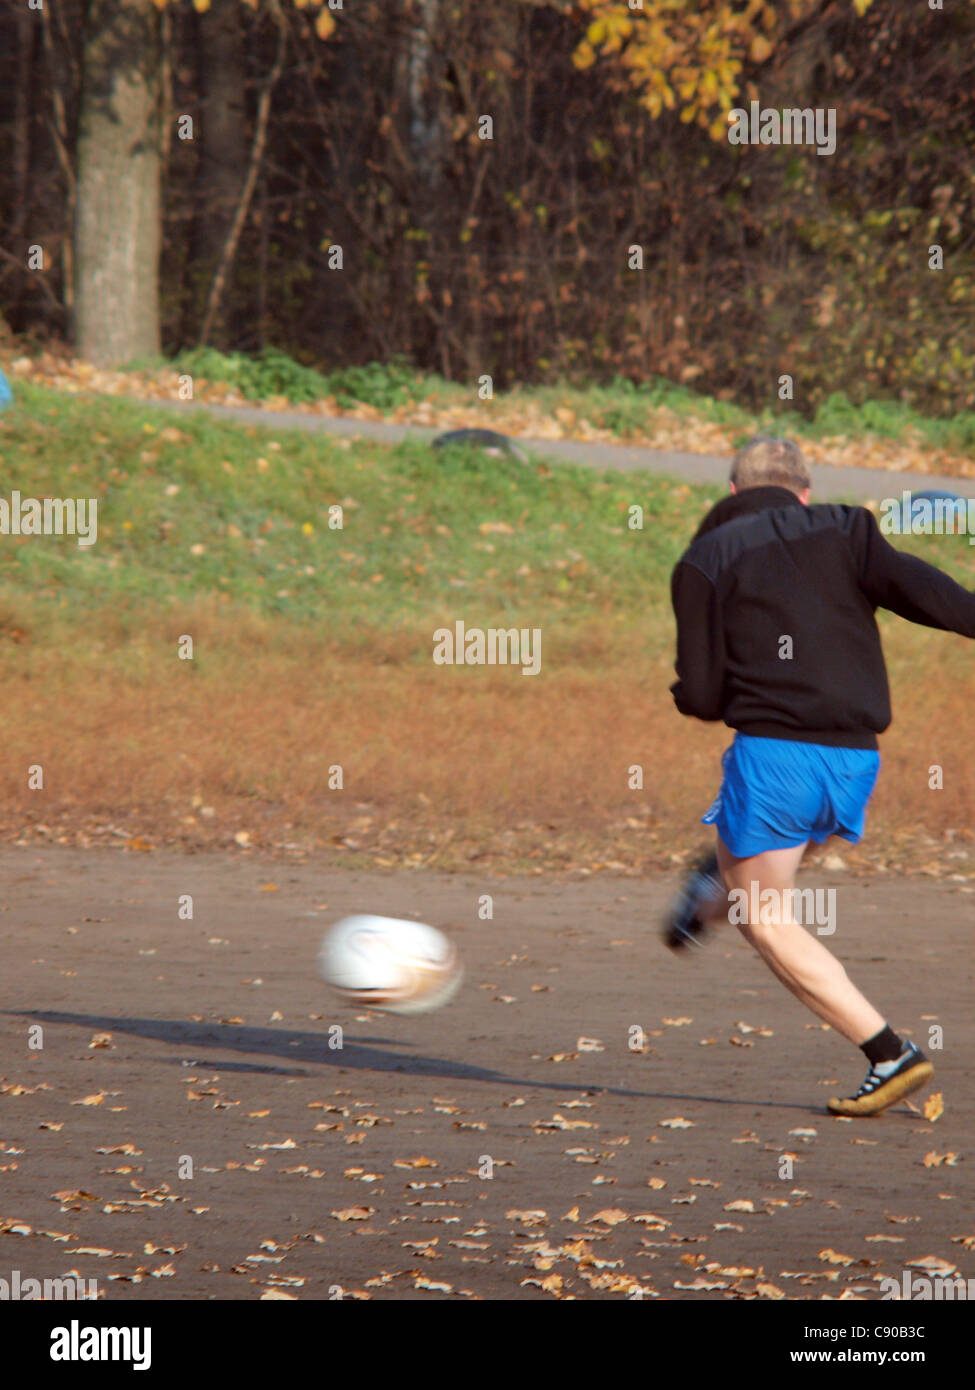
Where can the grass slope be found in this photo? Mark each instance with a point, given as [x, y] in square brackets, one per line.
[312, 651]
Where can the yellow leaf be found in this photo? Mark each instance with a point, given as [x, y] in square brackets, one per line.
[769, 1291]
[610, 1216]
[833, 1257]
[934, 1106]
[201, 6]
[759, 48]
[324, 24]
[526, 1218]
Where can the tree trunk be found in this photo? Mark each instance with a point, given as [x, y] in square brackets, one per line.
[117, 229]
[426, 131]
[223, 147]
[20, 159]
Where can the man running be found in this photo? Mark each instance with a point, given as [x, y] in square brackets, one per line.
[775, 603]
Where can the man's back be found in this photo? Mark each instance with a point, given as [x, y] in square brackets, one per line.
[775, 606]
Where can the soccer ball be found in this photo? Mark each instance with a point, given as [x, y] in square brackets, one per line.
[384, 963]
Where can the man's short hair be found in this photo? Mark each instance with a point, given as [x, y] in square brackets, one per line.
[768, 462]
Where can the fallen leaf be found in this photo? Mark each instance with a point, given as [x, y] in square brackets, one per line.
[610, 1216]
[934, 1106]
[934, 1263]
[527, 1218]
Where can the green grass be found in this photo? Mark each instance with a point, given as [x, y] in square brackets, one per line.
[197, 517]
[619, 405]
[412, 515]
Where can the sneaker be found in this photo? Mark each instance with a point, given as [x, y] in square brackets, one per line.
[702, 885]
[885, 1083]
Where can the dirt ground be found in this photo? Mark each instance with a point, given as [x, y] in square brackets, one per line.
[514, 1145]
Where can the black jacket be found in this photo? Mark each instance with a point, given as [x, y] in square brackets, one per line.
[775, 605]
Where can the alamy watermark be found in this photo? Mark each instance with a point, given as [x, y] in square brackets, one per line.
[50, 516]
[928, 514]
[494, 646]
[77, 1343]
[756, 906]
[70, 1288]
[942, 1287]
[792, 126]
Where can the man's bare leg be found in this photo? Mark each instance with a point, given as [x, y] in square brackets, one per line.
[800, 960]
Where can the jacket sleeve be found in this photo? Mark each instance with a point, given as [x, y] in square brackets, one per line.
[699, 688]
[905, 585]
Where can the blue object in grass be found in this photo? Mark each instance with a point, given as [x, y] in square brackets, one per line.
[6, 395]
[935, 510]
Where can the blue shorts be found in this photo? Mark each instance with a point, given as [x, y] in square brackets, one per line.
[776, 793]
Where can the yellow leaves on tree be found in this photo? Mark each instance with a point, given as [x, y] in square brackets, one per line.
[324, 22]
[688, 55]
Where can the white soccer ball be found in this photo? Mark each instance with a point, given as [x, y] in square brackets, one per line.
[384, 963]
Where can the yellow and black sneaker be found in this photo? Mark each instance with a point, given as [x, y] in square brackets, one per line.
[886, 1083]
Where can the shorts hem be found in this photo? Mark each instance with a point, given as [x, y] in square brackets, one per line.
[748, 848]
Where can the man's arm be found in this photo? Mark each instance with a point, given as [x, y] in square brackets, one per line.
[905, 585]
[699, 688]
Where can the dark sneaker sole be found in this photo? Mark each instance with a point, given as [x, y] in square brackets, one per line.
[898, 1086]
[679, 938]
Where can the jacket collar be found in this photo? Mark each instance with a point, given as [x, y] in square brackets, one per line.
[746, 503]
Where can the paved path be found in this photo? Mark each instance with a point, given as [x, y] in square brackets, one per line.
[829, 484]
[417, 1158]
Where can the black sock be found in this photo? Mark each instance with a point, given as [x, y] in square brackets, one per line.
[885, 1047]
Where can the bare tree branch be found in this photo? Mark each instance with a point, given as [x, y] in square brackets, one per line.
[247, 192]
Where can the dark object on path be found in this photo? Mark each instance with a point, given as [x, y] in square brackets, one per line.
[488, 440]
